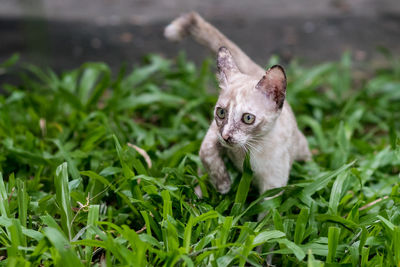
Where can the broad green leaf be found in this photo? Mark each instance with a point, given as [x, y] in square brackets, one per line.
[68, 256]
[266, 236]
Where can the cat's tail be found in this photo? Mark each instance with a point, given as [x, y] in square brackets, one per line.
[192, 24]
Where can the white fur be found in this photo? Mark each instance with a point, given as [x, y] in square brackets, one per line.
[273, 141]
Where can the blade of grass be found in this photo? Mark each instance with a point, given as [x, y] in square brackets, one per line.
[296, 250]
[321, 182]
[16, 237]
[128, 173]
[64, 199]
[244, 186]
[336, 192]
[333, 241]
[301, 223]
[312, 262]
[223, 235]
[396, 244]
[4, 208]
[23, 202]
[103, 180]
[248, 246]
[265, 236]
[169, 231]
[93, 217]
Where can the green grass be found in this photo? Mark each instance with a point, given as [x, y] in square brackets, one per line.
[74, 193]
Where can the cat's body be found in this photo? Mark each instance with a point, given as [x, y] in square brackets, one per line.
[251, 113]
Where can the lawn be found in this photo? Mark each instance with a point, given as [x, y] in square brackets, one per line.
[99, 169]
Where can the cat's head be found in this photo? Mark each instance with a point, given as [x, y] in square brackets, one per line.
[247, 108]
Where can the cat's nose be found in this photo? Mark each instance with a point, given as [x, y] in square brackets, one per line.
[227, 138]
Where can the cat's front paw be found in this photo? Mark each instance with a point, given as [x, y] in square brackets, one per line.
[223, 186]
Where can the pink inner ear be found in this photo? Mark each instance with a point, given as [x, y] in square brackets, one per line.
[276, 76]
[225, 63]
[273, 83]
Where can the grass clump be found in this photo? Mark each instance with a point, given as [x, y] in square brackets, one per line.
[76, 188]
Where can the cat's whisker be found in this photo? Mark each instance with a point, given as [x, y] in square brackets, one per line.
[252, 146]
[250, 149]
[244, 148]
[256, 138]
[256, 148]
[254, 141]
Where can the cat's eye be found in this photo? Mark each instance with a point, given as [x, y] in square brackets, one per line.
[221, 113]
[248, 118]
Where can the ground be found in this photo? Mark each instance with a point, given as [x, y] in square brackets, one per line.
[64, 34]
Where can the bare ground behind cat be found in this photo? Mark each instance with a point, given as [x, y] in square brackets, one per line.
[124, 31]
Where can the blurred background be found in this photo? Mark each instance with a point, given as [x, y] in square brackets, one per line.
[63, 34]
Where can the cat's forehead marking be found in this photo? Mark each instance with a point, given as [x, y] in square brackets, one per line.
[240, 96]
[231, 113]
[246, 98]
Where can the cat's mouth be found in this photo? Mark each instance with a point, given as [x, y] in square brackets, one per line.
[229, 143]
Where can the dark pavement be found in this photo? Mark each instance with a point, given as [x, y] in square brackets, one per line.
[64, 34]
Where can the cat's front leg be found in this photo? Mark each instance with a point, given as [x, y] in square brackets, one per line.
[210, 155]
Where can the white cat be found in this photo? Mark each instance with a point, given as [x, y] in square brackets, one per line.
[251, 114]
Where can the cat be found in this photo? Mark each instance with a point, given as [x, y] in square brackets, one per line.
[250, 116]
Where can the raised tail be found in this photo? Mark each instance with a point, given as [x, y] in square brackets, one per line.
[206, 34]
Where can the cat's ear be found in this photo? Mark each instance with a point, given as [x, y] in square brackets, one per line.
[226, 66]
[273, 84]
